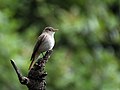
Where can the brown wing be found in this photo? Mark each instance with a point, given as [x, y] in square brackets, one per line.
[37, 45]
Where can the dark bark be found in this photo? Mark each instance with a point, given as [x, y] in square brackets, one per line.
[36, 76]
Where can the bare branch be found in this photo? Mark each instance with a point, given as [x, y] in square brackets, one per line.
[36, 76]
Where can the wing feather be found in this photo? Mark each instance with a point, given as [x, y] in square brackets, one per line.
[36, 48]
[37, 45]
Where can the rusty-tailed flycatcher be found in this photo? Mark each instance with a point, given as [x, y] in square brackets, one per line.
[44, 43]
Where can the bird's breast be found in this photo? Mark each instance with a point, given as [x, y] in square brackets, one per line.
[47, 44]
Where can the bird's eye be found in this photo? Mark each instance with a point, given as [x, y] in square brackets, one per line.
[49, 29]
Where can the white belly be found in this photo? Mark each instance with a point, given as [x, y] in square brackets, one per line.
[47, 44]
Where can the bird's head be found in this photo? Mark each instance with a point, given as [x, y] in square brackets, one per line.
[50, 30]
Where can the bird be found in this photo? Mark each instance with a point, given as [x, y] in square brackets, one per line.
[45, 42]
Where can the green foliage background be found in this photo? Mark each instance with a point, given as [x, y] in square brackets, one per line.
[87, 51]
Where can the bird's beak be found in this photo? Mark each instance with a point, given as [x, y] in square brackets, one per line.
[55, 30]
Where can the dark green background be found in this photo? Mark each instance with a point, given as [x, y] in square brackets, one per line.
[87, 51]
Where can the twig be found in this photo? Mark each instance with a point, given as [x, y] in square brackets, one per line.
[22, 79]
